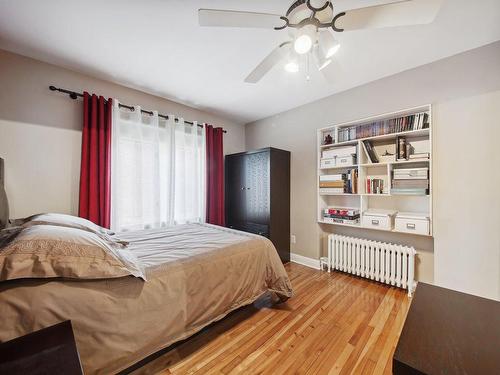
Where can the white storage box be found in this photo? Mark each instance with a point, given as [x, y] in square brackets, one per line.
[345, 161]
[339, 151]
[410, 222]
[411, 173]
[378, 219]
[327, 163]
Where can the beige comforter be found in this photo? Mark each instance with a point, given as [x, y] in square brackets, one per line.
[196, 274]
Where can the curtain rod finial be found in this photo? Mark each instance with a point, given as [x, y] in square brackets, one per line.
[52, 88]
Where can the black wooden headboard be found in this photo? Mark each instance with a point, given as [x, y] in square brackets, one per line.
[4, 204]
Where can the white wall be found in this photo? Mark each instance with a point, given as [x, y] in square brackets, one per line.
[40, 131]
[467, 187]
[464, 91]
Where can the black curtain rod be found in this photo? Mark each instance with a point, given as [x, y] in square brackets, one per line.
[75, 95]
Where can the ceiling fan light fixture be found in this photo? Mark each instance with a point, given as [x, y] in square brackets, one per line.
[292, 64]
[305, 39]
[329, 44]
[292, 67]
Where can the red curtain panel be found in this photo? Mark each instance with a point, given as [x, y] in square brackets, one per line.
[215, 175]
[95, 171]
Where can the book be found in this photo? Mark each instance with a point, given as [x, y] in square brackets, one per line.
[332, 177]
[372, 154]
[411, 174]
[331, 190]
[332, 184]
[412, 184]
[405, 191]
[416, 121]
[341, 213]
[400, 148]
[374, 185]
[420, 155]
[346, 217]
[408, 150]
[345, 221]
[354, 180]
[340, 221]
[340, 183]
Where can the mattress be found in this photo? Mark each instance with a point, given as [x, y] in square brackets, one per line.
[196, 274]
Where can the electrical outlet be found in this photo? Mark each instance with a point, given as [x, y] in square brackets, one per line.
[292, 238]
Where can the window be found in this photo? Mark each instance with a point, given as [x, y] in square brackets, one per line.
[157, 171]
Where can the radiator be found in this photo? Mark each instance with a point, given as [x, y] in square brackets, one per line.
[379, 261]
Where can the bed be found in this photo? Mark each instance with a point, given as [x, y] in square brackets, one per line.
[195, 275]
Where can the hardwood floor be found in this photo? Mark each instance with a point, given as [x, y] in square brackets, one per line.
[335, 324]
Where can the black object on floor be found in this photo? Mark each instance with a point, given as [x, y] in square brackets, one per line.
[448, 332]
[51, 350]
[258, 195]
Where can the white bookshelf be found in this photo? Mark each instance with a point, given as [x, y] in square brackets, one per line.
[420, 139]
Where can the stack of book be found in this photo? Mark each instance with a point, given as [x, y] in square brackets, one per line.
[341, 215]
[396, 125]
[410, 181]
[405, 151]
[374, 185]
[343, 183]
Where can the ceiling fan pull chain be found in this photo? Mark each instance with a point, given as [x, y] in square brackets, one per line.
[308, 76]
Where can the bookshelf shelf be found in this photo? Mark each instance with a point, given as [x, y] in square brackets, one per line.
[410, 161]
[361, 177]
[414, 133]
[371, 228]
[340, 224]
[341, 194]
[340, 167]
[407, 195]
[393, 163]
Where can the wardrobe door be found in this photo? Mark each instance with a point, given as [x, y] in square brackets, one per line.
[235, 191]
[257, 187]
[280, 203]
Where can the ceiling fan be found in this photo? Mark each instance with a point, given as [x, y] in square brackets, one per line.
[310, 24]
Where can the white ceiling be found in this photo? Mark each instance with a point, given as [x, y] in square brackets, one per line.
[158, 47]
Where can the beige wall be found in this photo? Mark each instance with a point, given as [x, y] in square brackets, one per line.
[464, 91]
[40, 131]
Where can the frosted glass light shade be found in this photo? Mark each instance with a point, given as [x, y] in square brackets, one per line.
[328, 44]
[305, 39]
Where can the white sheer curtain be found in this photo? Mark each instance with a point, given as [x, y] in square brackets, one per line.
[157, 171]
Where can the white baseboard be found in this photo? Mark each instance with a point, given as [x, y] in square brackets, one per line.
[305, 261]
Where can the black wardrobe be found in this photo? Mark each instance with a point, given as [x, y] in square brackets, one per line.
[258, 195]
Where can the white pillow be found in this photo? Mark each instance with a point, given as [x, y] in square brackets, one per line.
[64, 221]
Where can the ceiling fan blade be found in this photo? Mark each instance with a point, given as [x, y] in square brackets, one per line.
[232, 18]
[275, 57]
[402, 13]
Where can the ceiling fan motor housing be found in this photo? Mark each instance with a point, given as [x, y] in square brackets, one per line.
[310, 12]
